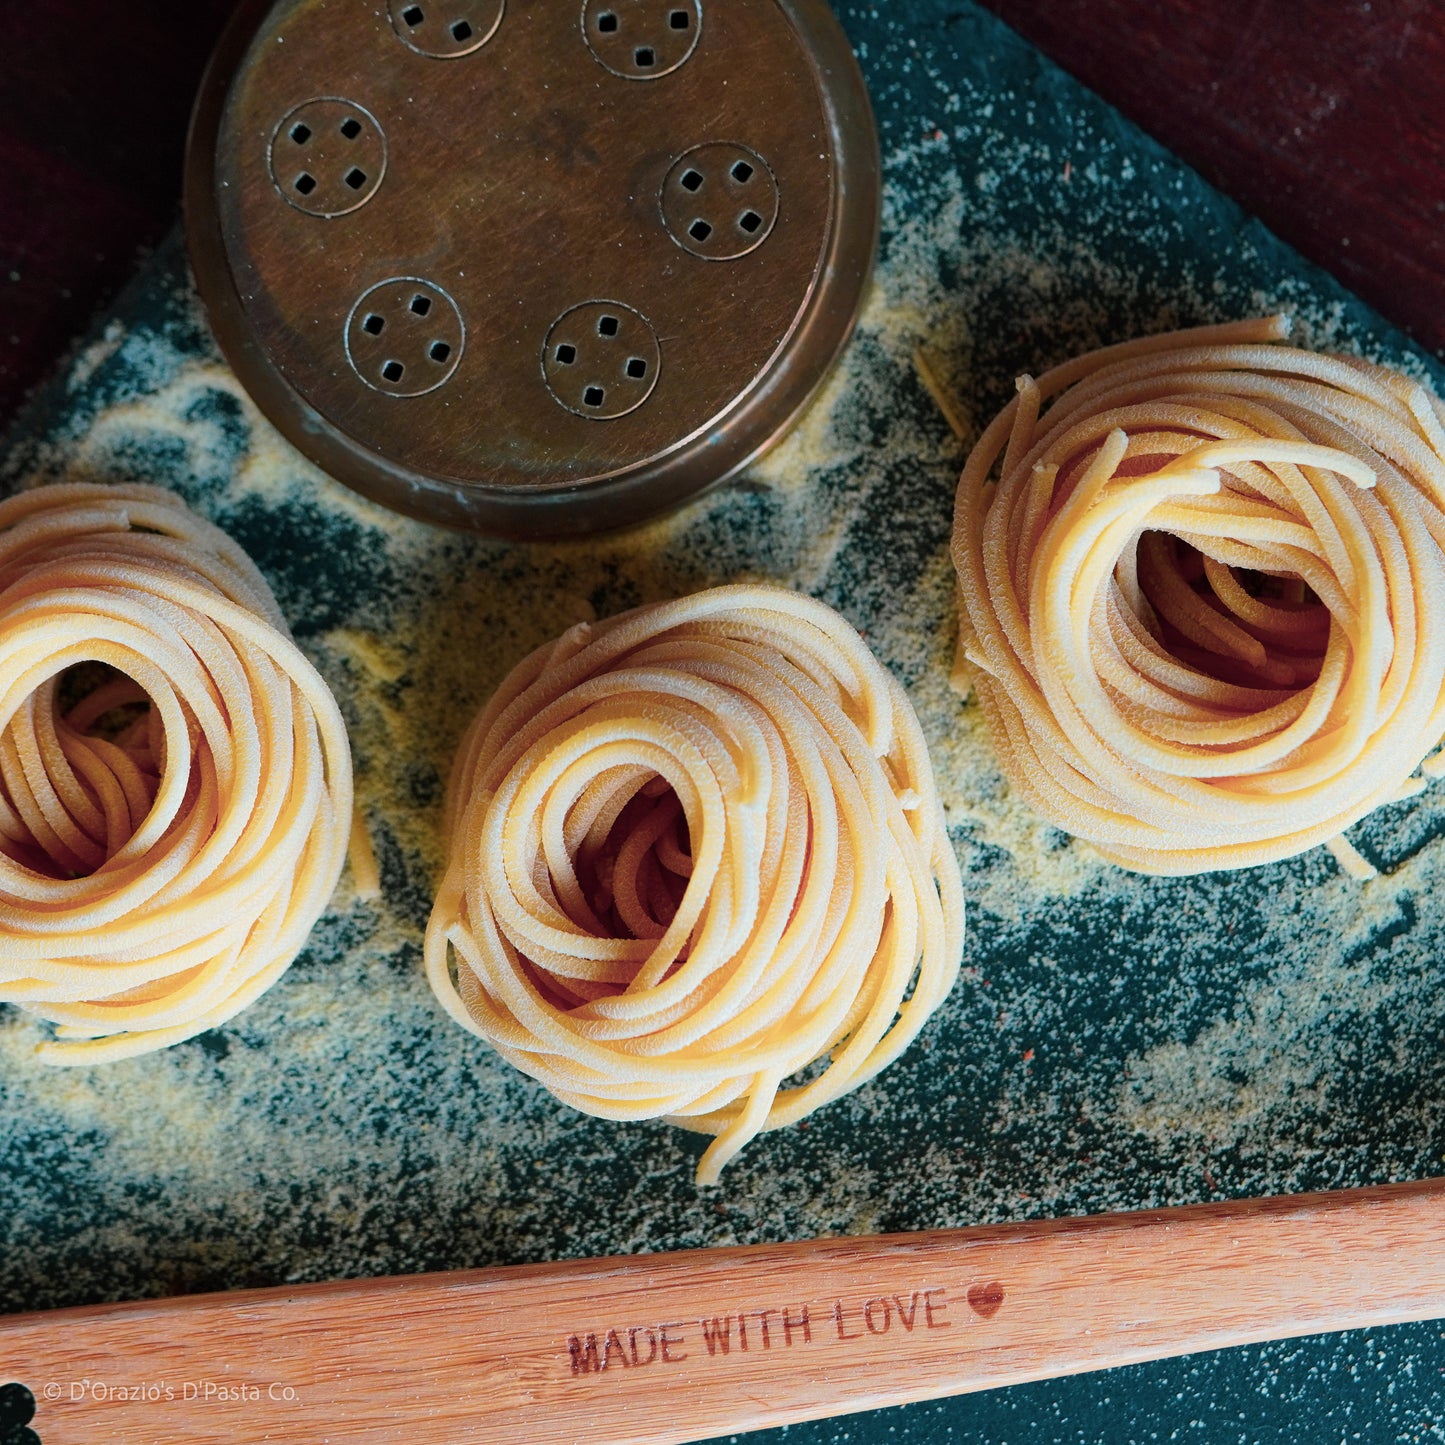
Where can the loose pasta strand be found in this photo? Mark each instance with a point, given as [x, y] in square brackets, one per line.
[694, 852]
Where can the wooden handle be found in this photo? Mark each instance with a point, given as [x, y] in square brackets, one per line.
[673, 1348]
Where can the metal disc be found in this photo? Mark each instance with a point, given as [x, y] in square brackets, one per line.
[413, 225]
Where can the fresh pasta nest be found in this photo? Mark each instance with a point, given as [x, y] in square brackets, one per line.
[693, 851]
[1203, 605]
[169, 838]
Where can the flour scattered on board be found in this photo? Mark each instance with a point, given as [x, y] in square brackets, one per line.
[1115, 1041]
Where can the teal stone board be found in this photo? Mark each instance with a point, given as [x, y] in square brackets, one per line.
[1115, 1043]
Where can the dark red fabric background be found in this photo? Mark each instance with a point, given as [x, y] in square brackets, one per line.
[1324, 117]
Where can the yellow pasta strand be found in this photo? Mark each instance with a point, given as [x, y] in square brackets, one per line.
[693, 851]
[1203, 605]
[168, 842]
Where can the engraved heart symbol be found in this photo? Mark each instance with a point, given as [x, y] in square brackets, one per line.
[985, 1299]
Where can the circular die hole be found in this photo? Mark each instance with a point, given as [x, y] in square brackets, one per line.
[405, 337]
[328, 157]
[446, 29]
[642, 39]
[601, 360]
[720, 201]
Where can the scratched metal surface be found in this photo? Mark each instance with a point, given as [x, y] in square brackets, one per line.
[1115, 1043]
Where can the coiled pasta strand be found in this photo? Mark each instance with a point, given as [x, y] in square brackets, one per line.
[694, 851]
[1202, 604]
[168, 840]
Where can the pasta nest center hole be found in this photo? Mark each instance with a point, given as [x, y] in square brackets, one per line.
[634, 861]
[1259, 628]
[95, 758]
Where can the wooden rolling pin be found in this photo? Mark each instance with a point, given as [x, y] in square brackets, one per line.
[680, 1347]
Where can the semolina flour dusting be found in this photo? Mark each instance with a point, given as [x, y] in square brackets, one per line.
[1115, 1042]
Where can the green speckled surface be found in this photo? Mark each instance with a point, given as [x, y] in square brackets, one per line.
[1116, 1042]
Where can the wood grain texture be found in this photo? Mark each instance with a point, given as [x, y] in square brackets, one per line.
[1325, 118]
[664, 1349]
